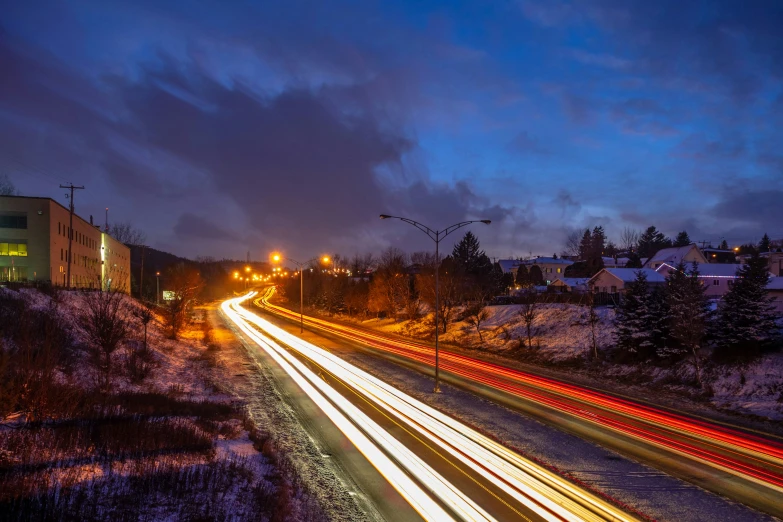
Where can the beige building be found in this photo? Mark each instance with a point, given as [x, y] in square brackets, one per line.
[614, 280]
[34, 247]
[674, 255]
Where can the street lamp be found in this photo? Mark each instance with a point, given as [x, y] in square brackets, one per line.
[277, 258]
[157, 288]
[437, 236]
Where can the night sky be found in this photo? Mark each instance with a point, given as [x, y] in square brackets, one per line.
[223, 126]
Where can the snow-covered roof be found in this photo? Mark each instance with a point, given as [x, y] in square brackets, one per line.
[671, 255]
[775, 283]
[547, 261]
[628, 275]
[507, 264]
[572, 281]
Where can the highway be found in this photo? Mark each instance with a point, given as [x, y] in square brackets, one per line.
[444, 469]
[743, 466]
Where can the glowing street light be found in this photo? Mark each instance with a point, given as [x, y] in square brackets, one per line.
[437, 236]
[277, 257]
[157, 288]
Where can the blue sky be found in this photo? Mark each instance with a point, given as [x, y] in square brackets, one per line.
[219, 127]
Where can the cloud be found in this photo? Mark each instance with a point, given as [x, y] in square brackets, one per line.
[759, 208]
[525, 143]
[191, 226]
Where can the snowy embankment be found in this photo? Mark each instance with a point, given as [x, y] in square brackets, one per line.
[562, 337]
[167, 439]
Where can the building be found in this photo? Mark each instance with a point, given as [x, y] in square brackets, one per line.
[716, 278]
[774, 262]
[570, 284]
[719, 255]
[775, 288]
[551, 267]
[674, 255]
[614, 280]
[34, 247]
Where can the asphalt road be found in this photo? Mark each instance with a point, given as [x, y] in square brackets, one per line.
[469, 476]
[731, 462]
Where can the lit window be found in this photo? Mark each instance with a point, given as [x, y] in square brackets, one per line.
[558, 270]
[3, 249]
[22, 249]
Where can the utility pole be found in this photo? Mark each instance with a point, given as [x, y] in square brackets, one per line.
[70, 230]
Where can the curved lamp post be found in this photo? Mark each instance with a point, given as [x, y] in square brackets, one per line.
[277, 258]
[437, 235]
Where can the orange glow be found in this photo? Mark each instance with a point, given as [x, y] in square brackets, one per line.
[276, 257]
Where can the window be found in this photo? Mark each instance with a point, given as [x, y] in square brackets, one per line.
[13, 220]
[558, 270]
[614, 289]
[13, 249]
[730, 282]
[716, 282]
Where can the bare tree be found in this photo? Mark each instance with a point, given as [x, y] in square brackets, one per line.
[573, 239]
[629, 239]
[106, 322]
[451, 286]
[6, 187]
[356, 297]
[528, 312]
[390, 281]
[478, 314]
[126, 233]
[592, 320]
[185, 284]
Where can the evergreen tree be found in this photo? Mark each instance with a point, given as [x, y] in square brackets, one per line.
[536, 276]
[633, 317]
[634, 261]
[467, 253]
[597, 242]
[586, 245]
[523, 278]
[682, 239]
[651, 241]
[658, 322]
[688, 315]
[723, 245]
[764, 244]
[611, 249]
[746, 318]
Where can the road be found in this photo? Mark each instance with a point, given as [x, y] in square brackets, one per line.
[444, 469]
[728, 461]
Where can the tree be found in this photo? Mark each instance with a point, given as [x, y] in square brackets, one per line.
[611, 249]
[764, 244]
[6, 187]
[523, 277]
[390, 283]
[185, 283]
[467, 253]
[477, 314]
[746, 318]
[633, 317]
[105, 319]
[571, 248]
[450, 290]
[592, 320]
[536, 276]
[634, 261]
[585, 245]
[629, 238]
[127, 234]
[651, 241]
[682, 239]
[723, 245]
[688, 314]
[529, 310]
[597, 242]
[356, 297]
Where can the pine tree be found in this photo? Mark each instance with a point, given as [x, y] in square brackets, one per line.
[682, 239]
[522, 279]
[467, 253]
[688, 315]
[746, 318]
[633, 261]
[633, 317]
[764, 244]
[536, 276]
[597, 242]
[586, 245]
[723, 245]
[658, 322]
[652, 241]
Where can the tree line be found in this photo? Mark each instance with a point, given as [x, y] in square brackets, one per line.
[675, 321]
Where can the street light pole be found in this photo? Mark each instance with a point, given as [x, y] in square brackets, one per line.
[157, 288]
[436, 236]
[300, 266]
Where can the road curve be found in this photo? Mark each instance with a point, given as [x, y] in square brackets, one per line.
[442, 467]
[743, 466]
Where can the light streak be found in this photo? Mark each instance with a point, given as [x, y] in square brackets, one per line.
[542, 491]
[750, 457]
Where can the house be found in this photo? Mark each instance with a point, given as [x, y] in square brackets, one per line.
[774, 262]
[570, 284]
[615, 262]
[614, 280]
[509, 266]
[672, 256]
[716, 278]
[551, 267]
[719, 255]
[775, 288]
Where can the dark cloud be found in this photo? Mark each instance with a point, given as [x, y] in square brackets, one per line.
[190, 226]
[762, 209]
